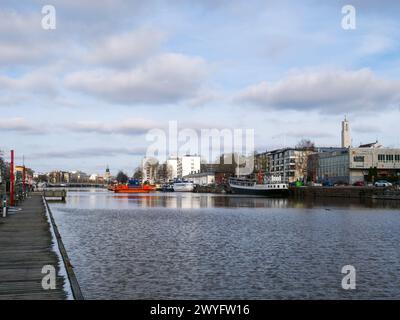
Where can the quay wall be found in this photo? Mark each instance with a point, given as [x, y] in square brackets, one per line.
[345, 192]
[212, 189]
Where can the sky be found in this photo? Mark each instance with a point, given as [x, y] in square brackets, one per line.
[86, 94]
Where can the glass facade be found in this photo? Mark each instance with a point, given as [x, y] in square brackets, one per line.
[333, 167]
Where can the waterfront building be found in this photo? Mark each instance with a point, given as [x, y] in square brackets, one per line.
[172, 165]
[78, 177]
[201, 178]
[19, 175]
[188, 164]
[290, 164]
[56, 177]
[261, 162]
[93, 177]
[150, 169]
[313, 160]
[355, 164]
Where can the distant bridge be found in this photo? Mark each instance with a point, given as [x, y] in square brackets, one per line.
[75, 185]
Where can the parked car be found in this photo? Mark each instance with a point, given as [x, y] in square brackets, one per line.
[341, 184]
[315, 184]
[327, 184]
[382, 183]
[359, 184]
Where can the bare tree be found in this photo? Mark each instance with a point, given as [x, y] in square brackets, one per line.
[305, 144]
[138, 174]
[164, 172]
[122, 177]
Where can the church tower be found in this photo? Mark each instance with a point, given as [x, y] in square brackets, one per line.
[346, 139]
[107, 176]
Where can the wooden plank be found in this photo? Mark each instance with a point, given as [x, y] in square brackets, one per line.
[25, 247]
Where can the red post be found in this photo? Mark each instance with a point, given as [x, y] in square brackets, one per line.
[12, 179]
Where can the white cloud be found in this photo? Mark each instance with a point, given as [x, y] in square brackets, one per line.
[366, 128]
[376, 44]
[88, 153]
[127, 48]
[20, 125]
[165, 78]
[34, 82]
[326, 91]
[128, 127]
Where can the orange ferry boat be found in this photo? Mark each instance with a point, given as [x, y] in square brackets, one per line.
[133, 186]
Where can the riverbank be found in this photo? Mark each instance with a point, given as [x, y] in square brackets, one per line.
[321, 192]
[345, 192]
[26, 246]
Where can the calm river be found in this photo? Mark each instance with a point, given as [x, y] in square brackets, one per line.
[203, 246]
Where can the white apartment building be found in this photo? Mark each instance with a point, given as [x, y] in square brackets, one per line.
[172, 164]
[187, 165]
[289, 163]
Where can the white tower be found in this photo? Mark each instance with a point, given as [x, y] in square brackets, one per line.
[346, 139]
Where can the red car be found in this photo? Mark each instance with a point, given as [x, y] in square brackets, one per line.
[359, 184]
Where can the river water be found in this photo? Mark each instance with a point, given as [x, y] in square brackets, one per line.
[205, 246]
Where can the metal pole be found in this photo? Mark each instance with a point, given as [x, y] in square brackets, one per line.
[4, 207]
[23, 177]
[12, 179]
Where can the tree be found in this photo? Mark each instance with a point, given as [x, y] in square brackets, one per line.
[164, 172]
[122, 177]
[305, 144]
[372, 174]
[138, 174]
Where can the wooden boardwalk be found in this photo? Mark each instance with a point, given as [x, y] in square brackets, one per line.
[25, 247]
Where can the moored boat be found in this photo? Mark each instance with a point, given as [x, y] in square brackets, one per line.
[183, 186]
[133, 186]
[251, 187]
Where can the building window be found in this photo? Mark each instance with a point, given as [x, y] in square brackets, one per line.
[381, 157]
[358, 159]
[389, 157]
[397, 157]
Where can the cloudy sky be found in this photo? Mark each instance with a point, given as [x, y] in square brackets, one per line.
[85, 94]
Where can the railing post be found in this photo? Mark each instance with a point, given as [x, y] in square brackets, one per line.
[4, 207]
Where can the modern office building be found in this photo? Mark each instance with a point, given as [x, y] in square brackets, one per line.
[355, 164]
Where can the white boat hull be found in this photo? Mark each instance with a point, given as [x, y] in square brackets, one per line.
[183, 187]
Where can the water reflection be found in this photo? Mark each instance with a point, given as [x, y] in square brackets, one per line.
[206, 246]
[176, 200]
